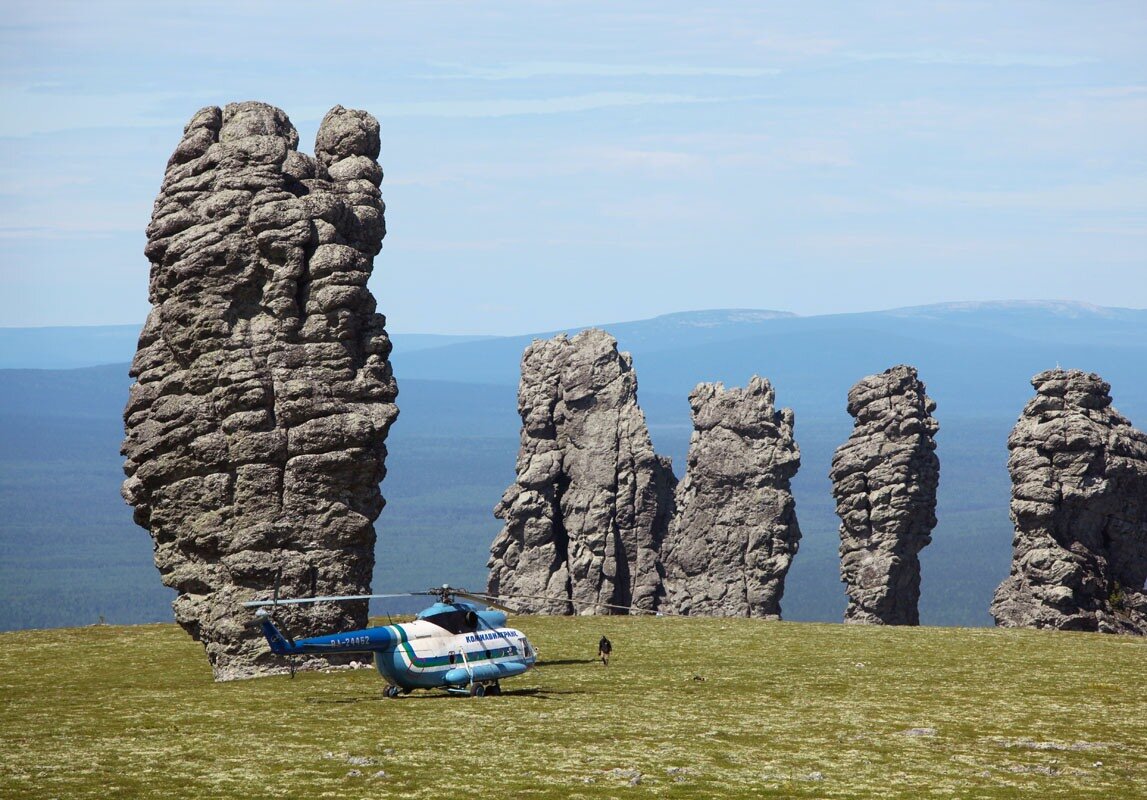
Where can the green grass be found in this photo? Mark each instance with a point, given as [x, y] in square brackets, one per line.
[687, 708]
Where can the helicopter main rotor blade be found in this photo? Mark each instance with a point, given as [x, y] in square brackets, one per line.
[485, 599]
[579, 603]
[294, 601]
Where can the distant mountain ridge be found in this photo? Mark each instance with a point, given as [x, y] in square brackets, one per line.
[1067, 308]
[68, 347]
[964, 341]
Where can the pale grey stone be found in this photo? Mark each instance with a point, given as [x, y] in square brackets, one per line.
[1079, 504]
[735, 531]
[884, 479]
[263, 395]
[586, 515]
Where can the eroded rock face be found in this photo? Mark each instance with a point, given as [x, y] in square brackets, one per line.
[735, 531]
[884, 479]
[263, 394]
[585, 518]
[1079, 504]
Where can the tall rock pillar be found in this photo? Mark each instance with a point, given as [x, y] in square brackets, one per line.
[591, 503]
[884, 479]
[1079, 504]
[255, 430]
[735, 532]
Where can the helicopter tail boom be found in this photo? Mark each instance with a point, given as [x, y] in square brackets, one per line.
[360, 641]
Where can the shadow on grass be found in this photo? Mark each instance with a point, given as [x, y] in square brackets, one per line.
[334, 701]
[539, 693]
[439, 694]
[567, 662]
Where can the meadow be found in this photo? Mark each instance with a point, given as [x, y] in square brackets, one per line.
[686, 708]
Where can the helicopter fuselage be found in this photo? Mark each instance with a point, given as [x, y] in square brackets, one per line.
[425, 656]
[449, 645]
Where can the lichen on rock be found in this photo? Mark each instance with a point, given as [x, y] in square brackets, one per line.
[735, 531]
[1079, 504]
[586, 514]
[884, 479]
[255, 430]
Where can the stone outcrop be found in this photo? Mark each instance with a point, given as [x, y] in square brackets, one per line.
[1079, 504]
[884, 479]
[263, 394]
[735, 531]
[591, 503]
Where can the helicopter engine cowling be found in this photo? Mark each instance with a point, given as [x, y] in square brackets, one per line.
[492, 618]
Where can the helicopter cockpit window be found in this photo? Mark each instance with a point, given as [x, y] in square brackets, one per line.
[460, 620]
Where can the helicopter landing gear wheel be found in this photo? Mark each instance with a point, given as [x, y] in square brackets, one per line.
[495, 689]
[477, 690]
[392, 691]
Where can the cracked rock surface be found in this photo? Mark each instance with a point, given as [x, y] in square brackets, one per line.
[591, 503]
[884, 479]
[1079, 504]
[735, 531]
[255, 429]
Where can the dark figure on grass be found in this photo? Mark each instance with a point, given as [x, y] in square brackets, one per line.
[604, 648]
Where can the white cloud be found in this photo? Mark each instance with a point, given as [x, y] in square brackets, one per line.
[30, 111]
[442, 245]
[770, 152]
[582, 69]
[799, 45]
[970, 58]
[1117, 91]
[1114, 228]
[628, 158]
[544, 105]
[660, 209]
[1118, 194]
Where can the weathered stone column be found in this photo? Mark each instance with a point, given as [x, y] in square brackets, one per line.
[884, 479]
[735, 532]
[263, 395]
[591, 503]
[1079, 504]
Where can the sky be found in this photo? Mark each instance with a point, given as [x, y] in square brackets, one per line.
[556, 164]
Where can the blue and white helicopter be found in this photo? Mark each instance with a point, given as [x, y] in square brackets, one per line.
[453, 644]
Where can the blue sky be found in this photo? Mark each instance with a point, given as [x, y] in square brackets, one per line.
[558, 164]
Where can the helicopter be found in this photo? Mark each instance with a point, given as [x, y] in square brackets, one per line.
[452, 644]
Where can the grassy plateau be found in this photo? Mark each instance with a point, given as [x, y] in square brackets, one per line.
[686, 708]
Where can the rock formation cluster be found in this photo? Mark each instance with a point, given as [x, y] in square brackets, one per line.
[735, 531]
[255, 430]
[1079, 504]
[884, 479]
[595, 521]
[591, 504]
